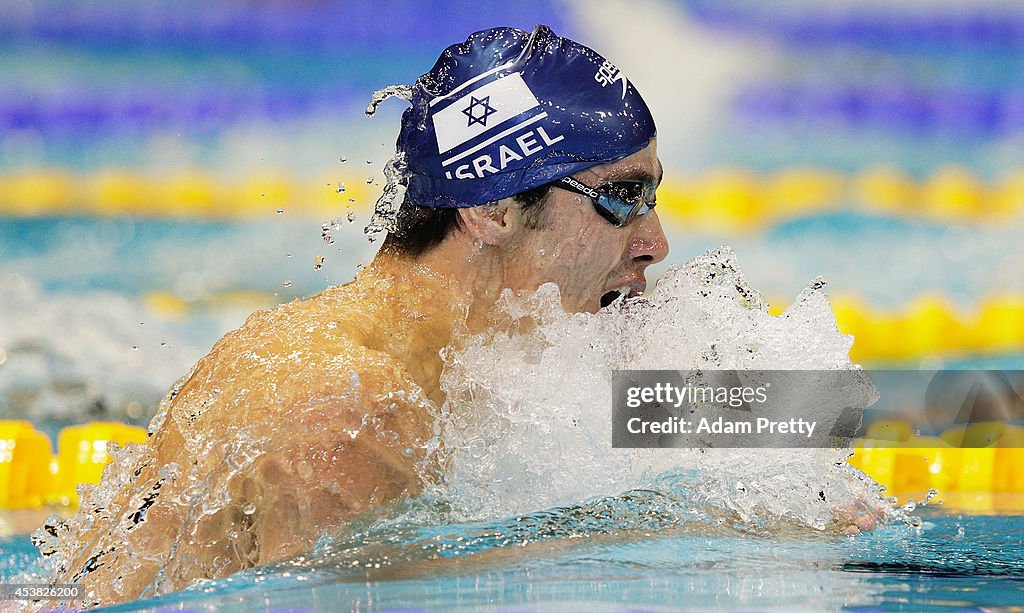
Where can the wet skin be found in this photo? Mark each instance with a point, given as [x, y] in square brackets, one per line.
[319, 410]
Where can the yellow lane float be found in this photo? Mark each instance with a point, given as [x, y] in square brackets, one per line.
[909, 464]
[721, 199]
[31, 475]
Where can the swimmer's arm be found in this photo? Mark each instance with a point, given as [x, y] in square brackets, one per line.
[325, 476]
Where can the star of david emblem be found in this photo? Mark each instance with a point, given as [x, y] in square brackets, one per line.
[479, 110]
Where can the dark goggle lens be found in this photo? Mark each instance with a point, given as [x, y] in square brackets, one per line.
[623, 201]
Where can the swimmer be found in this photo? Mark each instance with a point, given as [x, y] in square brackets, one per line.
[529, 159]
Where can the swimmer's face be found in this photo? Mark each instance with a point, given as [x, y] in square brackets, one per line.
[591, 260]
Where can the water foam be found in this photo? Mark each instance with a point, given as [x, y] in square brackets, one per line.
[528, 413]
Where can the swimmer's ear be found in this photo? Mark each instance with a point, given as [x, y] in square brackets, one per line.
[491, 224]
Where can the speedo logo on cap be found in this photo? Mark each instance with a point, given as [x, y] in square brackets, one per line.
[489, 127]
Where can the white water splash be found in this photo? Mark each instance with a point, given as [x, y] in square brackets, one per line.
[388, 207]
[403, 92]
[529, 413]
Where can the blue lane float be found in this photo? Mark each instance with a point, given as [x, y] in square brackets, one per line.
[314, 25]
[898, 29]
[917, 110]
[75, 112]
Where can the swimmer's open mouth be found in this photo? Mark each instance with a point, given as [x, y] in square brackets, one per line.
[629, 289]
[609, 298]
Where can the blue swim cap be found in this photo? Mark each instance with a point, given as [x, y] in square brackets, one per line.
[509, 110]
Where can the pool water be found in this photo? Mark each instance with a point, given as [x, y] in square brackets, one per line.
[953, 562]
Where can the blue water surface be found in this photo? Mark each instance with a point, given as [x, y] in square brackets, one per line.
[951, 563]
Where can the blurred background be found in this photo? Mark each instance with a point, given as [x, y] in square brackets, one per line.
[168, 167]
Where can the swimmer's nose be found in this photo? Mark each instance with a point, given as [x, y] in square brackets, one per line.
[649, 243]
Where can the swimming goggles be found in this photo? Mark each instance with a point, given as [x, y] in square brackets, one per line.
[620, 202]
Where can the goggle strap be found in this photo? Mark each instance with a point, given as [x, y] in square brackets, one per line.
[583, 189]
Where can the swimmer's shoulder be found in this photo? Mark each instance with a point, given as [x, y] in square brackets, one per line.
[322, 383]
[307, 354]
[300, 330]
[333, 317]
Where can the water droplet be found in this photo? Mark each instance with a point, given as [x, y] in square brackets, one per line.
[287, 283]
[385, 211]
[263, 195]
[318, 262]
[288, 254]
[343, 159]
[280, 211]
[135, 347]
[351, 216]
[163, 343]
[169, 471]
[325, 233]
[399, 91]
[369, 180]
[341, 187]
[351, 199]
